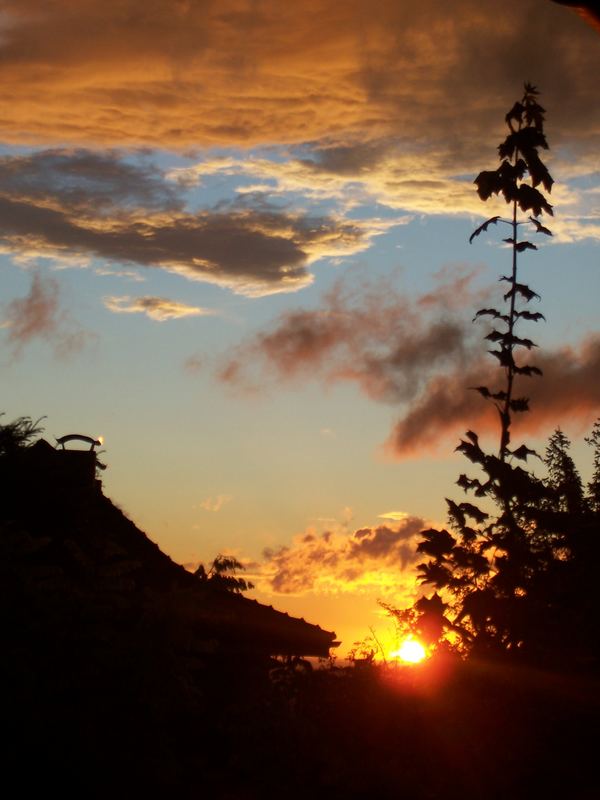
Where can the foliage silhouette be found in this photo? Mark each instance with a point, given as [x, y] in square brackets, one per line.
[594, 485]
[563, 475]
[18, 434]
[222, 575]
[515, 578]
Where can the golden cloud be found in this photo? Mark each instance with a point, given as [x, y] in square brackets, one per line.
[157, 308]
[366, 560]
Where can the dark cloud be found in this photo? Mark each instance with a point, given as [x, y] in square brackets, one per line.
[83, 180]
[418, 353]
[369, 558]
[83, 205]
[350, 160]
[567, 394]
[40, 315]
[372, 335]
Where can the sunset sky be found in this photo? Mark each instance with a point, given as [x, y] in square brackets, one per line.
[234, 242]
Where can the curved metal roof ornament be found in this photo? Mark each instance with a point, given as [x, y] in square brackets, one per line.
[79, 437]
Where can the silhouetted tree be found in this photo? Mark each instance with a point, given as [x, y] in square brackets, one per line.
[563, 475]
[509, 578]
[222, 575]
[18, 434]
[594, 485]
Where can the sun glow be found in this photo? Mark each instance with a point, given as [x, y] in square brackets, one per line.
[410, 651]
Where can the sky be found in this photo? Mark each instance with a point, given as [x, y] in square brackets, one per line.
[234, 241]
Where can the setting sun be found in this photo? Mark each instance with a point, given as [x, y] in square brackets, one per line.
[411, 651]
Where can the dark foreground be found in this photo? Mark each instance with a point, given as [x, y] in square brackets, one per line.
[131, 722]
[108, 687]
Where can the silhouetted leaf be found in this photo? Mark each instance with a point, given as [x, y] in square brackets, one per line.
[529, 199]
[484, 227]
[473, 452]
[436, 543]
[488, 183]
[523, 290]
[517, 341]
[537, 170]
[474, 512]
[528, 369]
[519, 404]
[522, 246]
[523, 452]
[490, 312]
[467, 483]
[435, 573]
[539, 228]
[534, 316]
[516, 113]
[504, 357]
[467, 559]
[469, 534]
[431, 605]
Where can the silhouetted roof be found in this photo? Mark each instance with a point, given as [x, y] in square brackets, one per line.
[93, 545]
[245, 625]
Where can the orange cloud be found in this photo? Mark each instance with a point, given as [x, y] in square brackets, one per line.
[185, 74]
[369, 559]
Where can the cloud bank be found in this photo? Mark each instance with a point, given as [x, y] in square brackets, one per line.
[185, 74]
[79, 206]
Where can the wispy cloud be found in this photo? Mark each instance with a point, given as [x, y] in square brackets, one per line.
[372, 335]
[157, 308]
[216, 503]
[420, 354]
[40, 315]
[397, 516]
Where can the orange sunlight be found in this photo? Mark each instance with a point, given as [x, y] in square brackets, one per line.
[410, 651]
